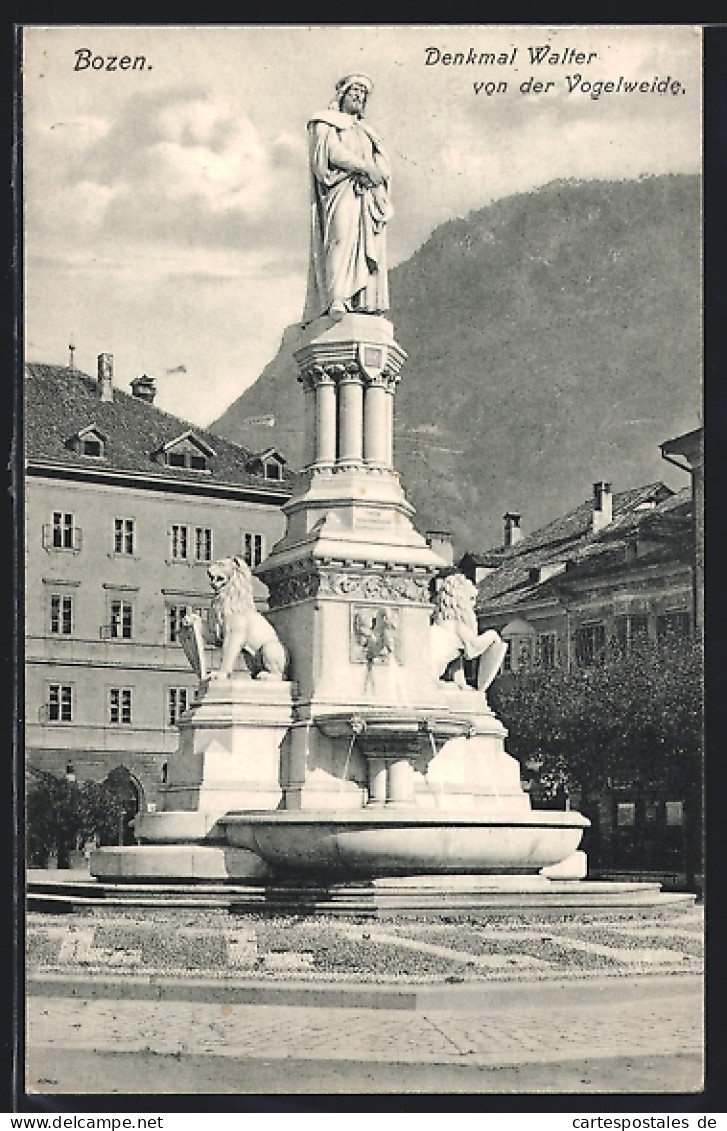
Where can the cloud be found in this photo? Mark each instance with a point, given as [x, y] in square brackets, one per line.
[175, 167]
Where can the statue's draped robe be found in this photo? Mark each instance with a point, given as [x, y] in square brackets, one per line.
[348, 236]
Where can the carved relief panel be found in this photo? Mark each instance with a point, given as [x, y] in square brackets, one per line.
[375, 635]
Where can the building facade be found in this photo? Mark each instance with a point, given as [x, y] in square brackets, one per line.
[611, 571]
[615, 571]
[125, 508]
[687, 452]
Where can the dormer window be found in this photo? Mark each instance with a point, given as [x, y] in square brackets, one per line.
[89, 441]
[270, 464]
[187, 452]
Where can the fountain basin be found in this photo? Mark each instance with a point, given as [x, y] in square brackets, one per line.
[374, 843]
[393, 726]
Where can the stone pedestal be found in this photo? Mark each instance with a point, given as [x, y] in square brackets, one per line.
[228, 758]
[349, 582]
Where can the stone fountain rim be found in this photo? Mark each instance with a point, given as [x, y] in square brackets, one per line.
[408, 721]
[390, 816]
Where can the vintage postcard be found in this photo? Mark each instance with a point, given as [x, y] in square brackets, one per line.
[363, 479]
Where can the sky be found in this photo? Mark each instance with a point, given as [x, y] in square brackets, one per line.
[166, 208]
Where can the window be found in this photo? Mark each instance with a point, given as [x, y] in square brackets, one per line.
[524, 650]
[626, 814]
[590, 644]
[519, 655]
[177, 704]
[123, 536]
[90, 441]
[175, 616]
[179, 547]
[196, 462]
[60, 703]
[121, 620]
[630, 630]
[120, 706]
[202, 544]
[187, 451]
[273, 470]
[546, 650]
[673, 624]
[253, 549]
[61, 614]
[60, 533]
[674, 812]
[62, 530]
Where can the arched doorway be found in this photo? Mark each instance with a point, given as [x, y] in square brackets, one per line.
[126, 787]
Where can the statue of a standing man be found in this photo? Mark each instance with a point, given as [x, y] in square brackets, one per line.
[350, 208]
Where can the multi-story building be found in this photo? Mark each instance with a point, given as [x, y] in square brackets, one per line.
[125, 507]
[615, 570]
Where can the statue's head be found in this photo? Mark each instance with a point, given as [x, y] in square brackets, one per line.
[352, 93]
[229, 572]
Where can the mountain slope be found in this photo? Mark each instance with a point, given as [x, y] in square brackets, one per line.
[553, 339]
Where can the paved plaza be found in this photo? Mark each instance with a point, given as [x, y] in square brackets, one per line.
[623, 1014]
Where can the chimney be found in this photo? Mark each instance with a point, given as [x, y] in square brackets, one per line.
[513, 533]
[602, 506]
[106, 376]
[144, 388]
[441, 542]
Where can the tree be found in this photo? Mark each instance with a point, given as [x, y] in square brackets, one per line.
[60, 814]
[633, 717]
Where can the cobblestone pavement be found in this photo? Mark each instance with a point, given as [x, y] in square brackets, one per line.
[518, 1032]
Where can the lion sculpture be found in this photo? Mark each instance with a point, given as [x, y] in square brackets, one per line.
[454, 635]
[234, 622]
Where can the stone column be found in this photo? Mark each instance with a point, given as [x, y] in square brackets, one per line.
[377, 781]
[400, 783]
[377, 422]
[350, 418]
[325, 419]
[388, 412]
[309, 415]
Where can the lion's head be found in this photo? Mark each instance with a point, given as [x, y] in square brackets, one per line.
[231, 581]
[454, 599]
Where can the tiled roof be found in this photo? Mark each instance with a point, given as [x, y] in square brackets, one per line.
[517, 570]
[60, 402]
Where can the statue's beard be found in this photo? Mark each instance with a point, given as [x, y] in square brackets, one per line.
[354, 111]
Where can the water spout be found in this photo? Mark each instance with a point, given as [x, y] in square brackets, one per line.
[358, 726]
[425, 727]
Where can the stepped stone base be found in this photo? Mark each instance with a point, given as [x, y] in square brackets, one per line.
[187, 862]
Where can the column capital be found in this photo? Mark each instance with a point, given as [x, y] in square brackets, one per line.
[315, 375]
[352, 374]
[386, 379]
